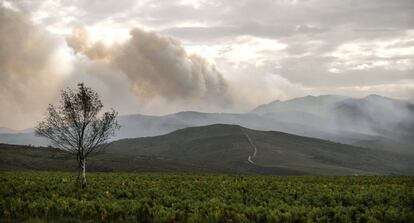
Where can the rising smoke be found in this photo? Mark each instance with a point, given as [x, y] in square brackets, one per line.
[27, 79]
[149, 72]
[158, 67]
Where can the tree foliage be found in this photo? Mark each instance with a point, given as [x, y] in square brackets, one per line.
[73, 125]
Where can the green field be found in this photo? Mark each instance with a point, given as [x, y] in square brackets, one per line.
[168, 197]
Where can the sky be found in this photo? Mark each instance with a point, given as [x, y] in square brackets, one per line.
[158, 57]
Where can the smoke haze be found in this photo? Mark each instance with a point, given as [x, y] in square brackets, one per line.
[158, 67]
[154, 57]
[28, 80]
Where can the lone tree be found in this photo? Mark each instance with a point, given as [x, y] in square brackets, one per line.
[73, 126]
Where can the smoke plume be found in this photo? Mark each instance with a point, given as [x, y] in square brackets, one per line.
[158, 67]
[27, 82]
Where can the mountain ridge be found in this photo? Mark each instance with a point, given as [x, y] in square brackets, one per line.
[353, 123]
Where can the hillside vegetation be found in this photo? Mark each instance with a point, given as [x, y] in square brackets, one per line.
[220, 148]
[52, 197]
[23, 158]
[277, 153]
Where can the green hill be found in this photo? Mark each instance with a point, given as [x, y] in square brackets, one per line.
[277, 153]
[221, 149]
[17, 158]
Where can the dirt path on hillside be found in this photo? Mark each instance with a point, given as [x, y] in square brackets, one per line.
[249, 158]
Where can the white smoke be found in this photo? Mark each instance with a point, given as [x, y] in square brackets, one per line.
[158, 67]
[28, 82]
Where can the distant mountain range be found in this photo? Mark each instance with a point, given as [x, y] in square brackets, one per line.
[373, 115]
[374, 122]
[4, 130]
[222, 149]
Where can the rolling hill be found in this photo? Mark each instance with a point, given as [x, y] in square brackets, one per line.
[133, 126]
[25, 158]
[220, 148]
[230, 146]
[374, 122]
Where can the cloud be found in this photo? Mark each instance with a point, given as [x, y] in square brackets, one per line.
[158, 67]
[151, 73]
[398, 89]
[167, 78]
[27, 79]
[391, 54]
[231, 55]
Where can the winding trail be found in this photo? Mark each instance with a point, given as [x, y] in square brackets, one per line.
[249, 159]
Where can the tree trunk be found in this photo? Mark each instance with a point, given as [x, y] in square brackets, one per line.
[84, 182]
[78, 179]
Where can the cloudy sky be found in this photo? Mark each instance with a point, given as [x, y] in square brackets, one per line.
[158, 57]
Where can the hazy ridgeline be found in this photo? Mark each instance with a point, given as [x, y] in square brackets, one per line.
[374, 121]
